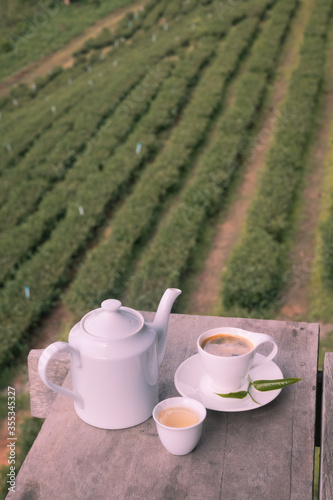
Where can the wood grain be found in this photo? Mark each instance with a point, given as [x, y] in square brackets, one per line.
[326, 460]
[267, 453]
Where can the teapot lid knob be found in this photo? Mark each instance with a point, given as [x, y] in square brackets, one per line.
[111, 305]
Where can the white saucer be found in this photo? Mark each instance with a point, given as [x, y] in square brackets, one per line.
[191, 381]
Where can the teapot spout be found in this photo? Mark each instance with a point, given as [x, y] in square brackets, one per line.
[162, 319]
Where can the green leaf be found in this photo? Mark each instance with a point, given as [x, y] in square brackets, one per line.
[236, 395]
[272, 385]
[261, 385]
[253, 398]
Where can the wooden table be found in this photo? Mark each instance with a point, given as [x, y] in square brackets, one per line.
[266, 453]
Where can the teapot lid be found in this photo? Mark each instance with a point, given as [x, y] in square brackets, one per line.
[112, 321]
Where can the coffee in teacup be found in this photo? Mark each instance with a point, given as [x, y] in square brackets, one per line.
[228, 354]
[227, 345]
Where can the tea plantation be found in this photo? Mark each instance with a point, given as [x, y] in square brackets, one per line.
[111, 169]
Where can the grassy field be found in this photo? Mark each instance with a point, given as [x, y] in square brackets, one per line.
[120, 174]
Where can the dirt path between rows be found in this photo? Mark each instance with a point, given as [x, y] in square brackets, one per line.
[64, 56]
[205, 299]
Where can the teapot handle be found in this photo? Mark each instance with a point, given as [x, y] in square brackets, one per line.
[47, 354]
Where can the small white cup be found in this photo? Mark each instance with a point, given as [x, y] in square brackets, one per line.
[180, 440]
[228, 373]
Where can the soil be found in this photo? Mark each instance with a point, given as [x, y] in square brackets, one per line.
[205, 299]
[64, 56]
[53, 326]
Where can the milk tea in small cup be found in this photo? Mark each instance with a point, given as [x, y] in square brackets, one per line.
[179, 424]
[227, 355]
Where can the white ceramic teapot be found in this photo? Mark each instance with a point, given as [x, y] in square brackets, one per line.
[115, 357]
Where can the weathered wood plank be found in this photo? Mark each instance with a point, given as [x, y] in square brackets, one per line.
[265, 453]
[326, 460]
[41, 397]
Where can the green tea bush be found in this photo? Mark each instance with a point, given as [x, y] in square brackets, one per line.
[5, 45]
[137, 214]
[326, 231]
[47, 270]
[67, 96]
[69, 135]
[172, 9]
[152, 17]
[262, 59]
[21, 92]
[42, 81]
[126, 27]
[71, 199]
[25, 126]
[4, 102]
[253, 278]
[53, 205]
[171, 248]
[271, 210]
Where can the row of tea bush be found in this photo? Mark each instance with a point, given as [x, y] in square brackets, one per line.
[169, 253]
[257, 270]
[70, 133]
[19, 240]
[71, 130]
[103, 274]
[47, 269]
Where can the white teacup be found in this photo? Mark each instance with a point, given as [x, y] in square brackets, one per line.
[179, 433]
[227, 372]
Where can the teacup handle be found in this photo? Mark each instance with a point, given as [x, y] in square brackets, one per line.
[46, 355]
[266, 338]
